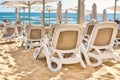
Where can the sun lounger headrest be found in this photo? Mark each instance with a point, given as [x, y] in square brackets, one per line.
[35, 32]
[103, 33]
[67, 36]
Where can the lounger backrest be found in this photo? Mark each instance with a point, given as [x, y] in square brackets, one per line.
[52, 29]
[19, 22]
[10, 29]
[67, 37]
[89, 28]
[46, 28]
[35, 32]
[6, 22]
[19, 28]
[104, 34]
[118, 34]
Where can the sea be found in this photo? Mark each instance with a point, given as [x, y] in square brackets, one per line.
[51, 19]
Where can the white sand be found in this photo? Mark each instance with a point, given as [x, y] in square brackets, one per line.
[17, 63]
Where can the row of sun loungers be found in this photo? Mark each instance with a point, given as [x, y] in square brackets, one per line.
[66, 43]
[67, 46]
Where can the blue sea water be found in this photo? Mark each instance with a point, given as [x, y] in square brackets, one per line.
[36, 17]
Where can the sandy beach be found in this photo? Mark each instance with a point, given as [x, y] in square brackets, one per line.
[17, 63]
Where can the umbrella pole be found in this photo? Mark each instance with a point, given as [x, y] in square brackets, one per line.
[29, 9]
[49, 16]
[43, 11]
[78, 13]
[16, 11]
[19, 14]
[23, 15]
[41, 17]
[115, 10]
[29, 15]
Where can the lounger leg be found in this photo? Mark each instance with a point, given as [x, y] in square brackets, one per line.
[117, 57]
[28, 45]
[36, 52]
[19, 40]
[88, 55]
[50, 59]
[116, 43]
[81, 61]
[109, 54]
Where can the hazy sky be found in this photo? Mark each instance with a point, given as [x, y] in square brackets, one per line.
[101, 4]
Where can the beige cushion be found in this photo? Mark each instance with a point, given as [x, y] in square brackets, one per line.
[103, 37]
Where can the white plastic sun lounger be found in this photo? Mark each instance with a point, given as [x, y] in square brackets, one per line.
[10, 32]
[34, 37]
[102, 41]
[64, 48]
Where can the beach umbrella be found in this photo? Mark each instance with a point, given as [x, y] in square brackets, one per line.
[48, 8]
[23, 8]
[72, 9]
[94, 12]
[66, 16]
[19, 3]
[81, 12]
[112, 8]
[29, 3]
[115, 8]
[75, 8]
[104, 16]
[16, 9]
[59, 13]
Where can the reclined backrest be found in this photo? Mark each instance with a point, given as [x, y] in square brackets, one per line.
[35, 32]
[52, 29]
[89, 27]
[19, 22]
[19, 28]
[10, 29]
[67, 37]
[118, 34]
[46, 29]
[104, 34]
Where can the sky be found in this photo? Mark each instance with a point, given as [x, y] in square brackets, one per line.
[101, 4]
